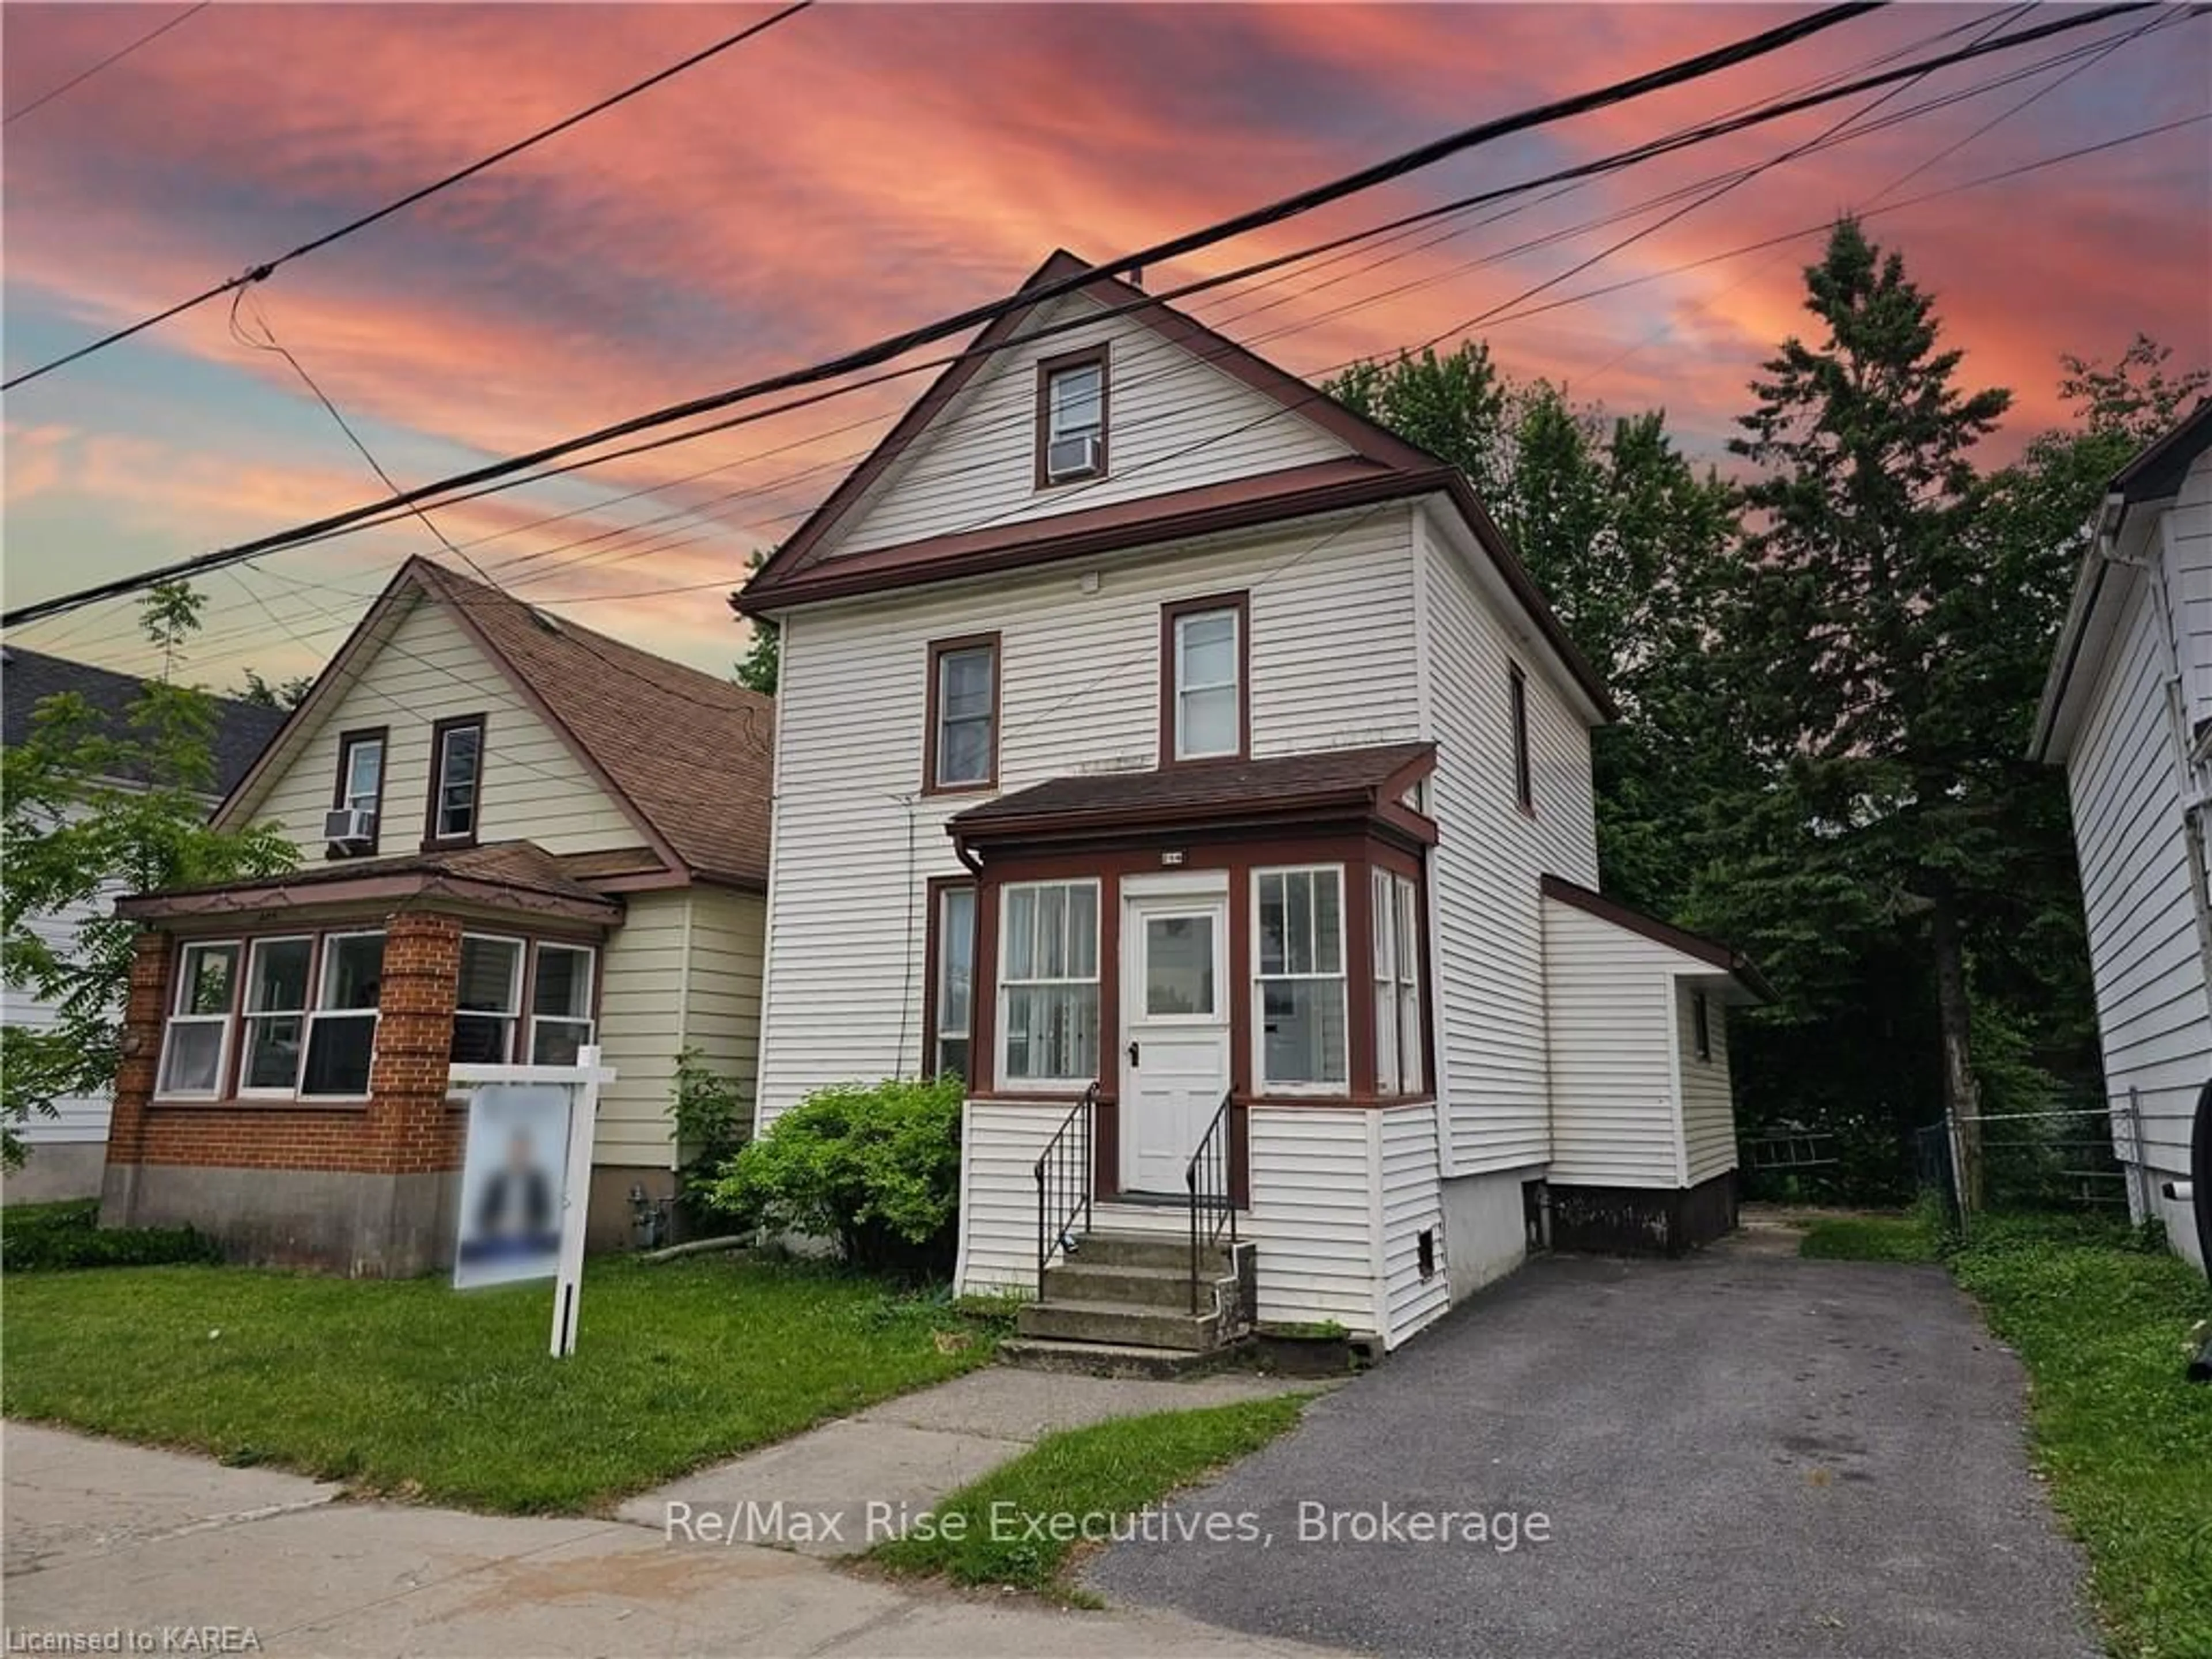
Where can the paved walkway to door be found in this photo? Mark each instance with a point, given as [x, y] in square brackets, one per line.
[1741, 1455]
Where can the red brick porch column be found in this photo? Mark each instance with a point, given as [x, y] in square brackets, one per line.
[409, 1124]
[146, 1005]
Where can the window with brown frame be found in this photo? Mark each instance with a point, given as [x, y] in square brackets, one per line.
[455, 807]
[1524, 785]
[961, 749]
[949, 987]
[360, 786]
[1070, 419]
[1204, 682]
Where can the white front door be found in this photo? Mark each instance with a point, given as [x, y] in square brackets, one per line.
[1174, 1033]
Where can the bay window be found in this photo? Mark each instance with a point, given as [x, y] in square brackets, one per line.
[1298, 915]
[341, 1030]
[561, 1004]
[486, 999]
[1048, 981]
[196, 1045]
[276, 1017]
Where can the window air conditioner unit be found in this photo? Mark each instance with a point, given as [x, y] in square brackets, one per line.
[1070, 457]
[349, 826]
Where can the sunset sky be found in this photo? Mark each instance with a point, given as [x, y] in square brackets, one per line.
[860, 169]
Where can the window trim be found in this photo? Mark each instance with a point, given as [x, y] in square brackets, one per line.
[519, 985]
[589, 1018]
[938, 888]
[1265, 1087]
[1171, 617]
[1101, 355]
[381, 735]
[1524, 777]
[939, 649]
[225, 1020]
[324, 958]
[1002, 1072]
[440, 731]
[254, 946]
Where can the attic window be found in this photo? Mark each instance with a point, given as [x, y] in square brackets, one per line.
[1072, 417]
[456, 782]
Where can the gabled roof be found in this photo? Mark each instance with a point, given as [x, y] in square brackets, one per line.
[1382, 466]
[687, 754]
[1711, 952]
[2153, 476]
[29, 676]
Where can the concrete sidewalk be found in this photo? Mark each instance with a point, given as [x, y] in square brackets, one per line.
[870, 1473]
[103, 1537]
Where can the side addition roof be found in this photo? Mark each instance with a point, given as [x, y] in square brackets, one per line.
[688, 754]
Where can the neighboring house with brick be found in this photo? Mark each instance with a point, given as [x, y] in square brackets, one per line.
[1191, 766]
[2127, 710]
[65, 1152]
[518, 837]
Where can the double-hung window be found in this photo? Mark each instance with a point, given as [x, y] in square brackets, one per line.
[559, 1004]
[341, 1030]
[1048, 981]
[952, 980]
[196, 1047]
[456, 780]
[1394, 913]
[964, 714]
[486, 999]
[1299, 916]
[276, 1017]
[360, 788]
[1072, 417]
[1204, 682]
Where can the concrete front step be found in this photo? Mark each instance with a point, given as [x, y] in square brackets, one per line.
[1080, 1278]
[1111, 1358]
[1172, 1250]
[1117, 1322]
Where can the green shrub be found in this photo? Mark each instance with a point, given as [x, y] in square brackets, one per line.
[874, 1166]
[711, 1119]
[49, 1236]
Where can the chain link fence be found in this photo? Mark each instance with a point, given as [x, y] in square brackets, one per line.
[2071, 1160]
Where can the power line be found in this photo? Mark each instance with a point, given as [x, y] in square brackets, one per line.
[112, 58]
[1676, 74]
[261, 272]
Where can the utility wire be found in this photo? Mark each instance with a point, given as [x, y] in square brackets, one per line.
[116, 56]
[261, 272]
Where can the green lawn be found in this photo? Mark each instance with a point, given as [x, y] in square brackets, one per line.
[1020, 1525]
[412, 1389]
[2103, 1325]
[1870, 1238]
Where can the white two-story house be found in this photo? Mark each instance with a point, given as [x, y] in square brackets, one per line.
[2127, 709]
[1191, 766]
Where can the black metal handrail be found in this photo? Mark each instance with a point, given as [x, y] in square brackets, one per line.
[1212, 1210]
[1063, 1184]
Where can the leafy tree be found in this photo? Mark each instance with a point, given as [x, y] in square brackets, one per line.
[87, 812]
[763, 663]
[278, 694]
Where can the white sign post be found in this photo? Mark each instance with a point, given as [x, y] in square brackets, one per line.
[527, 1178]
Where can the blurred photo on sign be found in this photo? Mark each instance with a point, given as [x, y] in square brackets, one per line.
[512, 1176]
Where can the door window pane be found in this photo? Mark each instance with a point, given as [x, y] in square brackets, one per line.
[1178, 965]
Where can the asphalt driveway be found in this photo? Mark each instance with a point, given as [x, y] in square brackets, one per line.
[1738, 1454]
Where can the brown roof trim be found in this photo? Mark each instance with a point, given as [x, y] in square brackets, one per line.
[277, 894]
[1722, 957]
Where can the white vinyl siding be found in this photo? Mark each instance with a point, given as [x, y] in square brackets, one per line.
[1611, 998]
[430, 669]
[1488, 996]
[1412, 1204]
[1708, 1094]
[77, 1118]
[684, 970]
[1176, 422]
[2126, 784]
[1314, 1212]
[856, 841]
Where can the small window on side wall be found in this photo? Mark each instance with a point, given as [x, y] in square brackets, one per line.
[456, 782]
[951, 982]
[1701, 1025]
[1072, 417]
[1524, 785]
[963, 743]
